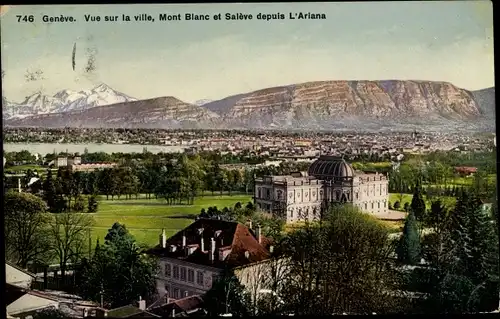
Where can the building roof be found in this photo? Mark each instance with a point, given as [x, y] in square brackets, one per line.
[241, 242]
[31, 301]
[17, 276]
[185, 305]
[466, 169]
[129, 311]
[330, 167]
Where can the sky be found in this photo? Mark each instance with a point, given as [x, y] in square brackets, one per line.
[448, 41]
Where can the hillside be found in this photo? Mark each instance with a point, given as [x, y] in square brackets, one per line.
[321, 105]
[486, 101]
[162, 112]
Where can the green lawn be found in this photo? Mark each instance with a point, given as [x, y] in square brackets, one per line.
[145, 218]
[446, 200]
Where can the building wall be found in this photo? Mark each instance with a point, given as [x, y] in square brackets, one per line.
[61, 162]
[371, 194]
[262, 275]
[302, 198]
[299, 198]
[181, 279]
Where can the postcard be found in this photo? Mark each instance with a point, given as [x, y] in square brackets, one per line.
[236, 159]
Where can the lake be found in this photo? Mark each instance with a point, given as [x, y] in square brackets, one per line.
[45, 148]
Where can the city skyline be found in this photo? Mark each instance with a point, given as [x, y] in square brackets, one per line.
[194, 60]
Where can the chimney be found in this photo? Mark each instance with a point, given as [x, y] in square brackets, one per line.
[250, 223]
[173, 311]
[183, 241]
[258, 232]
[163, 239]
[202, 243]
[19, 185]
[142, 303]
[211, 255]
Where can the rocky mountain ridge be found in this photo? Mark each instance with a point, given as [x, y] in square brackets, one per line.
[321, 105]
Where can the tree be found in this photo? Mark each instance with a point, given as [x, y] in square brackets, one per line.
[92, 204]
[397, 205]
[465, 266]
[49, 192]
[417, 205]
[79, 204]
[406, 207]
[25, 228]
[50, 313]
[118, 270]
[408, 249]
[433, 248]
[332, 271]
[69, 234]
[227, 296]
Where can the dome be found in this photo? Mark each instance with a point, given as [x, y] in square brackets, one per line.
[330, 167]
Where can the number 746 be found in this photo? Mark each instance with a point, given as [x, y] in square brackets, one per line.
[28, 18]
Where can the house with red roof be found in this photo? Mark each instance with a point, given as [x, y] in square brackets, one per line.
[193, 259]
[465, 170]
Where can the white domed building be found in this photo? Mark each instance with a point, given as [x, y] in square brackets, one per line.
[329, 180]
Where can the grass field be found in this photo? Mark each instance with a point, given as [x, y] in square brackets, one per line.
[446, 200]
[145, 218]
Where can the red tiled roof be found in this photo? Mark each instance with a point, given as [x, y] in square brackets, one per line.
[187, 304]
[465, 169]
[230, 235]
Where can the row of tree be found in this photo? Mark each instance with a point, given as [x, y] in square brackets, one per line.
[34, 236]
[460, 251]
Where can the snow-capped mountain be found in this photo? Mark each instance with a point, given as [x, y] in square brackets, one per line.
[65, 101]
[202, 102]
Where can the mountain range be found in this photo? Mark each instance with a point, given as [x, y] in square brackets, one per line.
[320, 105]
[64, 101]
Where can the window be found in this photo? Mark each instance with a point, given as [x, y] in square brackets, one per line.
[199, 278]
[176, 293]
[279, 194]
[183, 273]
[372, 208]
[378, 205]
[176, 272]
[214, 279]
[357, 196]
[384, 203]
[168, 270]
[258, 193]
[366, 206]
[186, 293]
[168, 290]
[268, 193]
[190, 275]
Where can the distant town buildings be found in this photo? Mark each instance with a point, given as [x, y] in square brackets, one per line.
[303, 196]
[75, 164]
